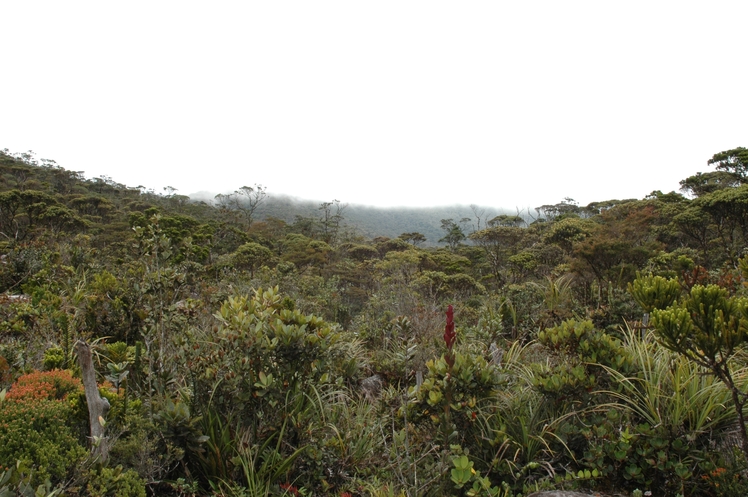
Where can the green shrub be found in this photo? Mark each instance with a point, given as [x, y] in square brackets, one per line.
[255, 372]
[114, 482]
[35, 425]
[258, 354]
[17, 480]
[582, 354]
[54, 358]
[726, 476]
[18, 318]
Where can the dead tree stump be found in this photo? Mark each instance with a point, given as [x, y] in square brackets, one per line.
[97, 405]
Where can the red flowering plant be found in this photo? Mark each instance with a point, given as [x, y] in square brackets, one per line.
[454, 385]
[289, 489]
[450, 336]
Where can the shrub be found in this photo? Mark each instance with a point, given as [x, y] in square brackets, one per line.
[258, 354]
[259, 369]
[34, 425]
[582, 354]
[54, 358]
[16, 480]
[49, 385]
[114, 482]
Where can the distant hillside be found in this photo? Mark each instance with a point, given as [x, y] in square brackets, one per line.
[371, 222]
[24, 172]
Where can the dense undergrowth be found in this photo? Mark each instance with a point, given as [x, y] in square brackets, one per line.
[245, 357]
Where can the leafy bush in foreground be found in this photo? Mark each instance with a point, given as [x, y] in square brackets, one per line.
[34, 425]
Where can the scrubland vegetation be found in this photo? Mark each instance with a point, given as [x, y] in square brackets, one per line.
[244, 353]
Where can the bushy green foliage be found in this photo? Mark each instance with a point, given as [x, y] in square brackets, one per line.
[114, 482]
[18, 480]
[258, 370]
[654, 292]
[181, 431]
[463, 473]
[35, 428]
[470, 380]
[583, 352]
[639, 455]
[260, 351]
[18, 317]
[54, 358]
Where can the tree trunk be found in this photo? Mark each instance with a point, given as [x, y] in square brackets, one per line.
[97, 406]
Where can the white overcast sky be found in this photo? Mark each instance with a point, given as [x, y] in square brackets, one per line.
[425, 103]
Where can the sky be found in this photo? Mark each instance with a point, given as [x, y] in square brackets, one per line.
[387, 103]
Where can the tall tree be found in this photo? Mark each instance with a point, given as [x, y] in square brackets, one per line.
[332, 217]
[245, 201]
[564, 208]
[499, 243]
[453, 234]
[733, 161]
[248, 199]
[702, 183]
[728, 209]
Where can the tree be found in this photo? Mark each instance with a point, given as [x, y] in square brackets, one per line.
[453, 234]
[386, 245]
[332, 216]
[479, 213]
[22, 211]
[708, 328]
[10, 203]
[93, 206]
[248, 199]
[727, 209]
[304, 251]
[414, 238]
[505, 220]
[499, 243]
[694, 223]
[245, 200]
[568, 231]
[251, 256]
[703, 183]
[58, 218]
[733, 161]
[568, 206]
